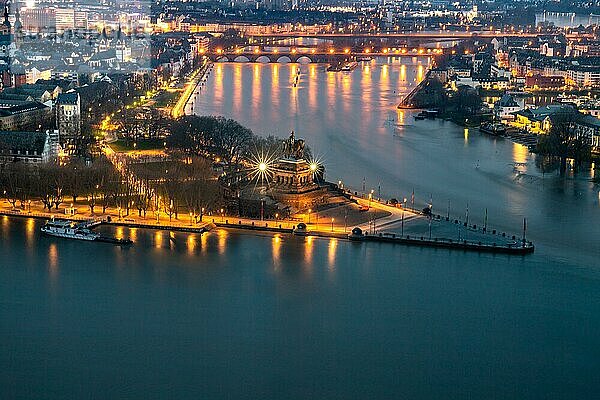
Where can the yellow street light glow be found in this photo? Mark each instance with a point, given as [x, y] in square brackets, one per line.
[331, 51]
[313, 166]
[346, 51]
[256, 51]
[262, 167]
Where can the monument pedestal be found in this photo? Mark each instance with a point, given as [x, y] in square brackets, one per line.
[294, 184]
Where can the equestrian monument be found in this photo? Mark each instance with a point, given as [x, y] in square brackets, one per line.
[294, 180]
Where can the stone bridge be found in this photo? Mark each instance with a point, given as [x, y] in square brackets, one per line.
[279, 57]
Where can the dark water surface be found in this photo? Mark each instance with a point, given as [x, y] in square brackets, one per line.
[235, 315]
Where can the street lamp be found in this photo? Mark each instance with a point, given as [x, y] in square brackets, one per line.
[222, 215]
[309, 211]
[332, 224]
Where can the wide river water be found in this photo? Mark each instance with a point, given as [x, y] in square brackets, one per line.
[236, 315]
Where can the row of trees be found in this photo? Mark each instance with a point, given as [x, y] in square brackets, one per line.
[211, 136]
[138, 123]
[563, 142]
[52, 183]
[187, 184]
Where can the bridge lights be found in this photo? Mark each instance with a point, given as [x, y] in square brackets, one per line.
[331, 51]
[293, 51]
[367, 51]
[256, 51]
[346, 51]
[219, 51]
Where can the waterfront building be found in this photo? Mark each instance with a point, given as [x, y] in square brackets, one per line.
[507, 106]
[539, 120]
[588, 127]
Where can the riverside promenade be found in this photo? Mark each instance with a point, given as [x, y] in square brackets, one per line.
[386, 224]
[190, 88]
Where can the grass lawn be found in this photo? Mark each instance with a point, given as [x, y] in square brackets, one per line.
[122, 146]
[166, 98]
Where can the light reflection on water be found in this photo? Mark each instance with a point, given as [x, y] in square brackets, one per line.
[331, 254]
[53, 260]
[376, 303]
[276, 251]
[347, 119]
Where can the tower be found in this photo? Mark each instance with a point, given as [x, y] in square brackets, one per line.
[6, 38]
[18, 28]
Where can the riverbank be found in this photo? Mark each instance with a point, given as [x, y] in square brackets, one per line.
[190, 88]
[384, 228]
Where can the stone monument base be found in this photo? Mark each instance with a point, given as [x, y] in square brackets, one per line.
[300, 201]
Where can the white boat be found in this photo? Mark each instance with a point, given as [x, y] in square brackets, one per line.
[68, 229]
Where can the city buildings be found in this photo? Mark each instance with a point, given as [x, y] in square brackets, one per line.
[28, 147]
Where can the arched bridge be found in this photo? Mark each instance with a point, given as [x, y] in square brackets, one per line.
[314, 55]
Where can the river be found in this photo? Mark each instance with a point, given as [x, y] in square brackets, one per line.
[237, 315]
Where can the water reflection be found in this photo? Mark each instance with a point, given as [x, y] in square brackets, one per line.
[133, 234]
[158, 239]
[346, 121]
[192, 243]
[331, 254]
[276, 249]
[308, 252]
[520, 153]
[237, 88]
[30, 232]
[53, 261]
[222, 241]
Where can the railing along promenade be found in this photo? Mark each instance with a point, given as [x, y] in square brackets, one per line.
[189, 88]
[324, 230]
